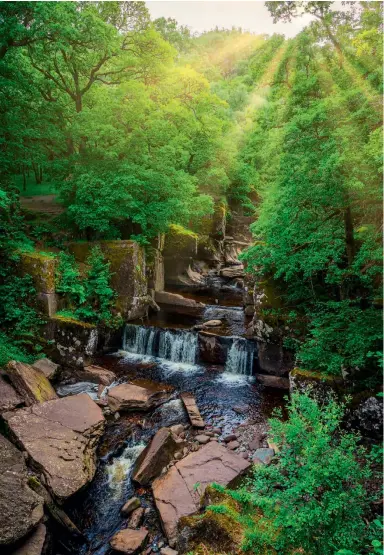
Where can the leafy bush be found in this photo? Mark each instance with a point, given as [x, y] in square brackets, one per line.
[312, 498]
[89, 298]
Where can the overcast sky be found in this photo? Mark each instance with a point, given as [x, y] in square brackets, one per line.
[202, 15]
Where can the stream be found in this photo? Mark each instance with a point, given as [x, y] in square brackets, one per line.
[226, 395]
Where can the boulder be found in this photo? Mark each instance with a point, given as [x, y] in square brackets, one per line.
[9, 398]
[232, 272]
[30, 383]
[131, 505]
[34, 543]
[136, 518]
[175, 492]
[173, 299]
[202, 438]
[276, 382]
[60, 437]
[156, 456]
[129, 541]
[213, 348]
[263, 455]
[49, 368]
[21, 509]
[192, 410]
[128, 396]
[97, 374]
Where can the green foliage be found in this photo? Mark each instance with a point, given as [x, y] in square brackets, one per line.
[89, 298]
[312, 498]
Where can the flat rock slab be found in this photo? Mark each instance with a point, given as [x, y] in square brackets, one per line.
[129, 541]
[155, 457]
[60, 437]
[175, 492]
[192, 410]
[129, 396]
[34, 543]
[21, 509]
[31, 383]
[277, 382]
[9, 398]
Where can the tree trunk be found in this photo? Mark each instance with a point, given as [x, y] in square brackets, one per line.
[79, 103]
[349, 238]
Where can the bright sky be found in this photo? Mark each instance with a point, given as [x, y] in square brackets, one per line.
[203, 15]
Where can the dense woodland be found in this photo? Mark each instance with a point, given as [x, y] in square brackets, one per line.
[137, 124]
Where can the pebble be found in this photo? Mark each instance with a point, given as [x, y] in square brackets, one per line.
[130, 506]
[233, 445]
[168, 551]
[245, 455]
[203, 439]
[216, 431]
[185, 451]
[177, 429]
[178, 456]
[230, 438]
[210, 434]
[117, 416]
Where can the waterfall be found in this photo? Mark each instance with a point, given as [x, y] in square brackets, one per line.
[240, 357]
[172, 345]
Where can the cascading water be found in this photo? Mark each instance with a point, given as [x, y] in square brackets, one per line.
[240, 357]
[173, 345]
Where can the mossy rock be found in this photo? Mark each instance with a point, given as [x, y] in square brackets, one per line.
[214, 531]
[180, 242]
[41, 267]
[213, 224]
[318, 383]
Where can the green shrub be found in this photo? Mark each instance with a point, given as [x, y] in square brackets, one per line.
[89, 298]
[312, 497]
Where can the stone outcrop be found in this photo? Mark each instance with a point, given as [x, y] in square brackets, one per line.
[213, 348]
[128, 271]
[21, 509]
[42, 268]
[128, 397]
[72, 342]
[34, 543]
[192, 410]
[321, 385]
[60, 438]
[176, 494]
[30, 383]
[129, 541]
[156, 456]
[232, 272]
[9, 398]
[50, 369]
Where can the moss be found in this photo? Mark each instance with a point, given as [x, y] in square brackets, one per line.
[176, 229]
[313, 376]
[41, 267]
[65, 319]
[41, 388]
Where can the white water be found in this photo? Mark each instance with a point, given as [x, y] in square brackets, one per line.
[118, 471]
[240, 357]
[171, 345]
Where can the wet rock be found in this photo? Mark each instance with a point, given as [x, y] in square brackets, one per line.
[232, 445]
[276, 382]
[175, 492]
[216, 431]
[192, 410]
[369, 417]
[9, 398]
[34, 543]
[60, 437]
[97, 374]
[177, 429]
[203, 439]
[232, 272]
[127, 396]
[231, 437]
[245, 455]
[263, 455]
[213, 348]
[136, 518]
[21, 509]
[212, 324]
[129, 541]
[130, 506]
[158, 454]
[168, 551]
[50, 369]
[240, 409]
[30, 383]
[174, 299]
